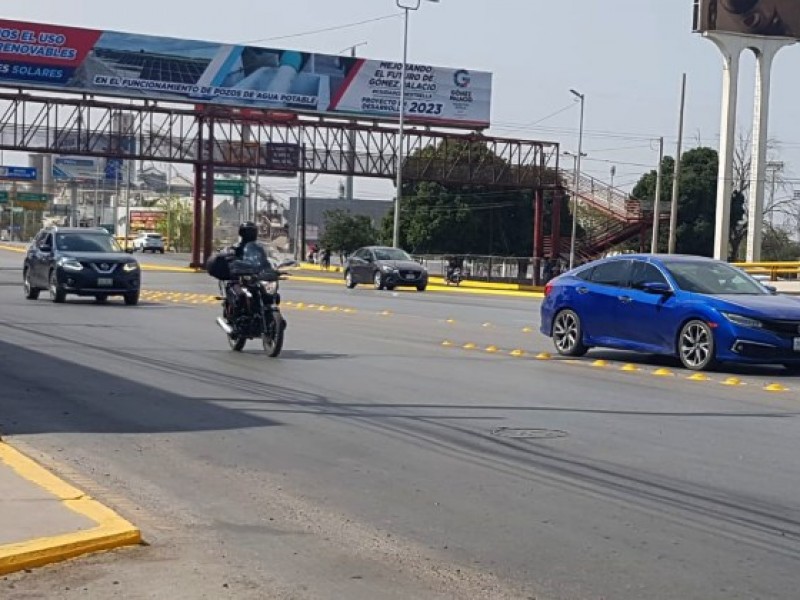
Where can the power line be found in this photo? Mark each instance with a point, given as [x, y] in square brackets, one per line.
[326, 29]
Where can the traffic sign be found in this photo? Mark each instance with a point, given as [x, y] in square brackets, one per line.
[23, 198]
[230, 187]
[18, 173]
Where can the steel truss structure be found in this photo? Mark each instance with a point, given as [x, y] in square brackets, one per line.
[216, 138]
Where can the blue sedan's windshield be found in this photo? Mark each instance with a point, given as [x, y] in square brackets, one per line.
[713, 278]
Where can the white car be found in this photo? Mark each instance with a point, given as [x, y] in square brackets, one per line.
[152, 242]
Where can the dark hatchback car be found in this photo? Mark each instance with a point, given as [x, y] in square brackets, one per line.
[385, 268]
[80, 261]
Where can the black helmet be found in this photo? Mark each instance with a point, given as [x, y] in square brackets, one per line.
[248, 232]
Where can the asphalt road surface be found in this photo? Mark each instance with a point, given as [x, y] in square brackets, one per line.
[374, 461]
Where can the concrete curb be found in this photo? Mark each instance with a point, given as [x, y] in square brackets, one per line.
[112, 531]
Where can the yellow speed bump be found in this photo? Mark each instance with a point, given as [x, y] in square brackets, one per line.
[517, 352]
[699, 377]
[600, 363]
[544, 356]
[527, 330]
[469, 346]
[663, 373]
[450, 321]
[385, 313]
[486, 325]
[492, 348]
[447, 343]
[776, 387]
[732, 381]
[629, 368]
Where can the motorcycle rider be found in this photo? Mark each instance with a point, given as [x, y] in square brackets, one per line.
[248, 232]
[452, 265]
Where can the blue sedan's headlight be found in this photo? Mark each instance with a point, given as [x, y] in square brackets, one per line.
[743, 321]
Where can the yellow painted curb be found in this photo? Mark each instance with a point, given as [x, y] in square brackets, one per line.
[112, 531]
[16, 249]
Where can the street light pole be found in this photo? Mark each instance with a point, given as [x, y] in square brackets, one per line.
[407, 7]
[576, 185]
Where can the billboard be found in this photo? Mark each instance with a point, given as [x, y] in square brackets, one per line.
[84, 61]
[775, 18]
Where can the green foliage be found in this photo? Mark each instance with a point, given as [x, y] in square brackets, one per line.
[777, 245]
[176, 227]
[697, 201]
[459, 219]
[345, 232]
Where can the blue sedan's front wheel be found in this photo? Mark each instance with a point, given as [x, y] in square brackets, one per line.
[696, 347]
[568, 334]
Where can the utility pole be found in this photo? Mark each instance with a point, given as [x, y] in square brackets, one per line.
[657, 201]
[676, 178]
[776, 167]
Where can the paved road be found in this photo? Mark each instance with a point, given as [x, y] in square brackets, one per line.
[373, 462]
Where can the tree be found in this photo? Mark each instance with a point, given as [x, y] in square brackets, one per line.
[696, 202]
[774, 205]
[778, 245]
[345, 232]
[464, 219]
[176, 227]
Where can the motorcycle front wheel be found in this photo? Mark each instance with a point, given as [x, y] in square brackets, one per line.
[237, 342]
[272, 339]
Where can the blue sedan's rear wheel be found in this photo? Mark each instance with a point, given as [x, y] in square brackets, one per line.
[696, 346]
[568, 334]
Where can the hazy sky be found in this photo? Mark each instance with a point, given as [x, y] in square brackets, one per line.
[626, 56]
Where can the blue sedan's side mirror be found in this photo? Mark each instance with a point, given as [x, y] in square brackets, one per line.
[657, 287]
[772, 289]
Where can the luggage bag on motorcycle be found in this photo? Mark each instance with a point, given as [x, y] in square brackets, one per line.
[219, 266]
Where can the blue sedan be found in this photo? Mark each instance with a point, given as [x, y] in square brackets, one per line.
[701, 310]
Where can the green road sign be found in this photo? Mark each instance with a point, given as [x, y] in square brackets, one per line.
[24, 197]
[230, 187]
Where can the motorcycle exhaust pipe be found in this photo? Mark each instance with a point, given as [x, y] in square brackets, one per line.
[224, 325]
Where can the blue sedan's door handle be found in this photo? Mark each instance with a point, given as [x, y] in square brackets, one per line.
[625, 299]
[583, 290]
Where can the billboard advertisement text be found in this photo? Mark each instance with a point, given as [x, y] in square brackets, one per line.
[773, 18]
[138, 66]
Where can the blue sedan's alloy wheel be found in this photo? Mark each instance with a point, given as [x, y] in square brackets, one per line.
[696, 346]
[568, 335]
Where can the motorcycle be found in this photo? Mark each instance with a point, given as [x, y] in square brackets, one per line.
[251, 302]
[453, 276]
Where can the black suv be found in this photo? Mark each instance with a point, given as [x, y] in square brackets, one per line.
[81, 261]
